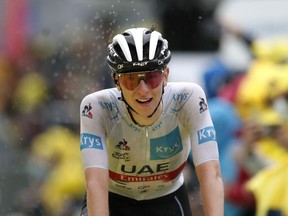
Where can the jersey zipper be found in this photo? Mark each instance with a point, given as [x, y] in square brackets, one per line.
[146, 158]
[146, 132]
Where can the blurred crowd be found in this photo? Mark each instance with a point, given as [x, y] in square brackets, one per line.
[41, 88]
[40, 93]
[250, 111]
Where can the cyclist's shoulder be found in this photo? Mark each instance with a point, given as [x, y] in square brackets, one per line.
[104, 94]
[182, 86]
[183, 96]
[174, 89]
[110, 95]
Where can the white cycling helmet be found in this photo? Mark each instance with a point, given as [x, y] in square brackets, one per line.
[138, 49]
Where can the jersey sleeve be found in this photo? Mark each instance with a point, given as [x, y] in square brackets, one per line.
[92, 133]
[202, 132]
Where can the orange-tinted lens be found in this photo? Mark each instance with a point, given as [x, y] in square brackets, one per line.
[132, 80]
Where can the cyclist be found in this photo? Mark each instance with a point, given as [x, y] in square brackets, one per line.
[136, 138]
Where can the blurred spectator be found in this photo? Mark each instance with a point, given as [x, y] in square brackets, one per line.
[42, 82]
[40, 94]
[264, 134]
[55, 154]
[260, 98]
[215, 77]
[8, 80]
[227, 125]
[263, 157]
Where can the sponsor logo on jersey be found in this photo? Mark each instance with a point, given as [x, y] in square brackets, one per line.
[146, 173]
[206, 134]
[145, 169]
[203, 105]
[121, 156]
[143, 188]
[111, 107]
[123, 145]
[180, 100]
[86, 111]
[90, 141]
[134, 127]
[123, 186]
[158, 126]
[166, 146]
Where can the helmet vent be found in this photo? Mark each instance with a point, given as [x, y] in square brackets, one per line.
[126, 34]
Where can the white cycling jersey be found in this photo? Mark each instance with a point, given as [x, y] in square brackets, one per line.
[147, 162]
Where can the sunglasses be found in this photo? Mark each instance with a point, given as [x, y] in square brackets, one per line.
[131, 80]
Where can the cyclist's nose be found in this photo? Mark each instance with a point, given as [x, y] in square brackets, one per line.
[142, 85]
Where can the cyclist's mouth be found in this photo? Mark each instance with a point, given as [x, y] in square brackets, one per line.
[144, 101]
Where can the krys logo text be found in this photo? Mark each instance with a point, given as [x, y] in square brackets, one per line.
[206, 134]
[90, 141]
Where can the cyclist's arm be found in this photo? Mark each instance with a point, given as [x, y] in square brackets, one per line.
[211, 187]
[94, 154]
[205, 152]
[97, 191]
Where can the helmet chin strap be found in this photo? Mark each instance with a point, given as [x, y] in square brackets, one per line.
[130, 108]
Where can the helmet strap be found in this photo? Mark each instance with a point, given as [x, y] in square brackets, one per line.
[129, 108]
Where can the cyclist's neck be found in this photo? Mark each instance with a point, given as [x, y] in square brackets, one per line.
[146, 120]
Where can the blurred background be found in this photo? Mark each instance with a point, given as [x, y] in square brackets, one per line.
[52, 53]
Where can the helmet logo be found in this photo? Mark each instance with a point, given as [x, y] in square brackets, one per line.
[141, 64]
[120, 66]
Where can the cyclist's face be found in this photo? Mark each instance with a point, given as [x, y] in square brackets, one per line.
[143, 90]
